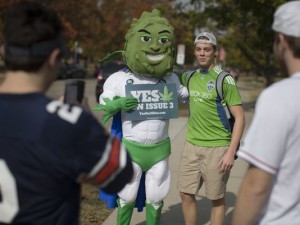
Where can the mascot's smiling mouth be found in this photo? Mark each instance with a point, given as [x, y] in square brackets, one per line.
[155, 57]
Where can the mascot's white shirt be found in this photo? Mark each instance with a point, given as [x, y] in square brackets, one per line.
[145, 131]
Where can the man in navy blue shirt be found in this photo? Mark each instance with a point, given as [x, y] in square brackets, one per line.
[47, 148]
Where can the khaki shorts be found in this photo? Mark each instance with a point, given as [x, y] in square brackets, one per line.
[201, 165]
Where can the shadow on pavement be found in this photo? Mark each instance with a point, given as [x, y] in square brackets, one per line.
[174, 214]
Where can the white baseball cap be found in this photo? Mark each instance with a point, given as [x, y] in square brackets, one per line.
[211, 38]
[287, 19]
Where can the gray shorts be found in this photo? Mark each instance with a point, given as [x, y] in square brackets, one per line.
[201, 165]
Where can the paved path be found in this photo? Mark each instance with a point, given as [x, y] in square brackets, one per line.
[171, 213]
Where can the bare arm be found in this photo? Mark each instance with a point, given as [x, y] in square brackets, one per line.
[252, 195]
[239, 125]
[228, 160]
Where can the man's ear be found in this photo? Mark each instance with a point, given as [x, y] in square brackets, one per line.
[216, 53]
[54, 57]
[282, 43]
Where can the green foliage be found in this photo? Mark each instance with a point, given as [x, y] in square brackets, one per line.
[98, 26]
[243, 27]
[247, 36]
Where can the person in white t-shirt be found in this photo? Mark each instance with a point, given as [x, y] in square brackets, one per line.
[270, 192]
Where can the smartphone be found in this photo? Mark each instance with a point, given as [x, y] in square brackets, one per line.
[74, 91]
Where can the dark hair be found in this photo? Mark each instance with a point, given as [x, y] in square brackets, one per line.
[29, 26]
[294, 44]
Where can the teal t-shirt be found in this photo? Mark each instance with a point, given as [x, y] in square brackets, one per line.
[207, 123]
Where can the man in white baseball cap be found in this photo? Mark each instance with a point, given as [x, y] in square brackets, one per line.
[210, 146]
[270, 192]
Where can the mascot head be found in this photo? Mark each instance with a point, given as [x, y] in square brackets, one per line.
[149, 48]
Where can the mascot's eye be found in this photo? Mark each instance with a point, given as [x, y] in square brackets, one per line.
[163, 40]
[146, 38]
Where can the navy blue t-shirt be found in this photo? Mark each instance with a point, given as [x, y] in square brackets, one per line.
[47, 149]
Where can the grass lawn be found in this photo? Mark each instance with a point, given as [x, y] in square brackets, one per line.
[93, 210]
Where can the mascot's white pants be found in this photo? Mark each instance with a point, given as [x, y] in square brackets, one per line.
[157, 183]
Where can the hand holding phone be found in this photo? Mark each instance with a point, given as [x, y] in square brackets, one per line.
[74, 91]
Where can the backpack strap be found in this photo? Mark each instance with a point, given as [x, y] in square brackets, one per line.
[219, 84]
[188, 76]
[230, 118]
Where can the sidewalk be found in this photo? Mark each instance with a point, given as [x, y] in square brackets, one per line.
[171, 213]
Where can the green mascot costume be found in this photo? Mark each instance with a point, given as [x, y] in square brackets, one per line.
[149, 54]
